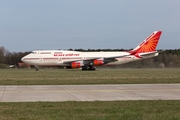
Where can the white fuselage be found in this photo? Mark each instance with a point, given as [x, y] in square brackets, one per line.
[61, 57]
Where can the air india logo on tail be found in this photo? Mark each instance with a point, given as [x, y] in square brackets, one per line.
[149, 44]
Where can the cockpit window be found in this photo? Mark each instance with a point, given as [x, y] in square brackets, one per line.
[33, 52]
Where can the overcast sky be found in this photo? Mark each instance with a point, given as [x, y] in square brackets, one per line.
[27, 25]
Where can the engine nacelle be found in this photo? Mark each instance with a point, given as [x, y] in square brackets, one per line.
[76, 64]
[98, 62]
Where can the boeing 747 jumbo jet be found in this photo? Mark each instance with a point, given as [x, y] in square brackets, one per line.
[89, 60]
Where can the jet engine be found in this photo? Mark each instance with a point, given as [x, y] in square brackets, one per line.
[77, 64]
[98, 62]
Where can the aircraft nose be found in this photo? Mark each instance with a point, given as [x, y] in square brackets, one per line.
[22, 59]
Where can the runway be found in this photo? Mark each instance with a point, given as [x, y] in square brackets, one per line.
[53, 93]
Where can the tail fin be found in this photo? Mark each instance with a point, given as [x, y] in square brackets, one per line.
[149, 44]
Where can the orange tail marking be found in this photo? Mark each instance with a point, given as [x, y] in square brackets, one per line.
[149, 44]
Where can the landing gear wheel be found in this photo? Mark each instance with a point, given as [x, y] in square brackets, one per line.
[36, 68]
[92, 68]
[89, 68]
[84, 68]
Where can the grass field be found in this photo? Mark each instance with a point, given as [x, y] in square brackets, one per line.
[117, 110]
[76, 76]
[98, 110]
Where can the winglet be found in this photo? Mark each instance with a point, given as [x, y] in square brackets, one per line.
[149, 44]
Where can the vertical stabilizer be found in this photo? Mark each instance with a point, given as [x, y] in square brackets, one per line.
[149, 44]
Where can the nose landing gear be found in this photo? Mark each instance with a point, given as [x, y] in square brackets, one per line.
[36, 68]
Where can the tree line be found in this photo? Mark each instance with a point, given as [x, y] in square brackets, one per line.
[10, 58]
[167, 58]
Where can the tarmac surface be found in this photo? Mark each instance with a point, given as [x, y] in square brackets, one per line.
[53, 93]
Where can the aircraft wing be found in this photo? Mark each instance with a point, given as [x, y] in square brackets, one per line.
[115, 57]
[109, 59]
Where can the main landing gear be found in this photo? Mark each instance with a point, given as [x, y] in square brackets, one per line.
[88, 68]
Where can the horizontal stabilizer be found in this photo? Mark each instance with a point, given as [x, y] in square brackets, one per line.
[149, 54]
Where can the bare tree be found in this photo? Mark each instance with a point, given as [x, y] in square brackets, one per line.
[2, 54]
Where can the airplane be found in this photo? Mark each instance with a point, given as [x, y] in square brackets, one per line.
[90, 60]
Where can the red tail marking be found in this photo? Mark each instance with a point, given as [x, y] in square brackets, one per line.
[149, 44]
